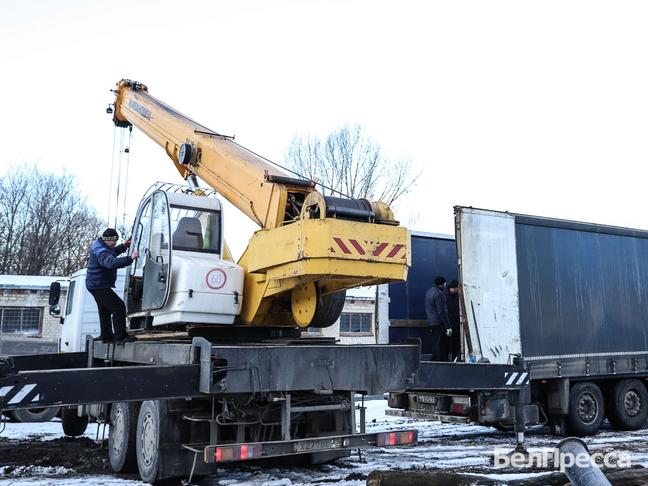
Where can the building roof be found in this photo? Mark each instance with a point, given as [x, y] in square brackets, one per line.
[30, 282]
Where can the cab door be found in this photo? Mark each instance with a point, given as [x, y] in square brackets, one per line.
[134, 279]
[156, 255]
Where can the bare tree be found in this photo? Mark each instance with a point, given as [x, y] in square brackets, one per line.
[349, 162]
[45, 224]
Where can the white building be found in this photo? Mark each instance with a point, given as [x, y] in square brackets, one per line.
[25, 323]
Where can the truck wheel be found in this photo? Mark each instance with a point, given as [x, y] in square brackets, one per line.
[586, 409]
[328, 309]
[122, 436]
[34, 414]
[73, 425]
[628, 405]
[158, 444]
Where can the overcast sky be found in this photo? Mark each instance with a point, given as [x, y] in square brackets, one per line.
[532, 107]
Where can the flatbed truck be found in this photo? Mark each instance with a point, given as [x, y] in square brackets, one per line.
[218, 372]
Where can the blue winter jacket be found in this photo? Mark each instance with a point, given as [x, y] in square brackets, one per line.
[103, 264]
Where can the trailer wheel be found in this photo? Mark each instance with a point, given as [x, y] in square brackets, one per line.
[34, 414]
[122, 436]
[73, 425]
[628, 405]
[158, 444]
[586, 409]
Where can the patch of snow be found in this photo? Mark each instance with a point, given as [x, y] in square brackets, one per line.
[79, 481]
[41, 430]
[34, 470]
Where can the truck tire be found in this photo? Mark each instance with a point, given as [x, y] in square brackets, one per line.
[122, 436]
[73, 425]
[328, 310]
[34, 414]
[586, 409]
[628, 405]
[158, 441]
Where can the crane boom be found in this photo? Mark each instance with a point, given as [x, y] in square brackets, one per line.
[259, 189]
[310, 247]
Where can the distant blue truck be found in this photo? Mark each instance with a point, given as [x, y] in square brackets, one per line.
[432, 254]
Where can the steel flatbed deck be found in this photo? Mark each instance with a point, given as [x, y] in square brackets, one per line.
[149, 370]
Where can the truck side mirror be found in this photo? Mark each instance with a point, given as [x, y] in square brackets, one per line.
[54, 294]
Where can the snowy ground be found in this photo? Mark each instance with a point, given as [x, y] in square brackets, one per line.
[464, 449]
[39, 431]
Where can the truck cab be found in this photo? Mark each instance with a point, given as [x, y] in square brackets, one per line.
[80, 317]
[181, 276]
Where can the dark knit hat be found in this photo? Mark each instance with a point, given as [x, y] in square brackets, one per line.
[110, 235]
[453, 285]
[439, 280]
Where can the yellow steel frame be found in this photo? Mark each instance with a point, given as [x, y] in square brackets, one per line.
[336, 254]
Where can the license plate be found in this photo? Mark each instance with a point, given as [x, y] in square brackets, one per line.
[314, 445]
[426, 399]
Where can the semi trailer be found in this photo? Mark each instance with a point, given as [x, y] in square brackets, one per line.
[567, 301]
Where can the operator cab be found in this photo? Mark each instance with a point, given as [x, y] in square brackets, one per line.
[180, 277]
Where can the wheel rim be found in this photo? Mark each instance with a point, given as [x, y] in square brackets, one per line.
[632, 403]
[149, 439]
[303, 302]
[117, 432]
[587, 408]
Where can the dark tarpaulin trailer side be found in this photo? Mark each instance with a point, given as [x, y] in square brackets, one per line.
[583, 288]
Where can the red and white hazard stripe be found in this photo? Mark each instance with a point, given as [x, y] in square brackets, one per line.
[352, 246]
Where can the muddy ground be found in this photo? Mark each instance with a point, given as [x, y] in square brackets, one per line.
[82, 455]
[79, 458]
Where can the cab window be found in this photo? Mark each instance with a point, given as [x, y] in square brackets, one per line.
[195, 229]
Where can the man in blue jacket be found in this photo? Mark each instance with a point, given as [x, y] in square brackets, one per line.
[100, 280]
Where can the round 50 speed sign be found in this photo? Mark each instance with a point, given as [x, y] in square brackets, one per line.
[216, 279]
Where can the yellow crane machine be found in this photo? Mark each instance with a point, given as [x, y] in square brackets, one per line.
[309, 249]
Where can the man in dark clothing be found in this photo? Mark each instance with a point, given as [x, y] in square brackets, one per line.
[436, 309]
[100, 280]
[453, 315]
